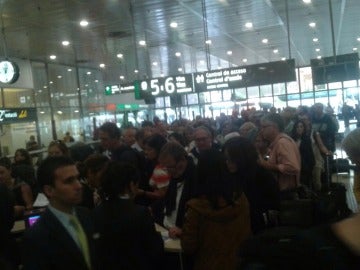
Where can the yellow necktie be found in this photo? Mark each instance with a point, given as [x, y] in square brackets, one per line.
[82, 239]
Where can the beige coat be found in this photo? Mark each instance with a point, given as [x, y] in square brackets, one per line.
[214, 236]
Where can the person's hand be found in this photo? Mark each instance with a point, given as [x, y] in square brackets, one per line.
[175, 232]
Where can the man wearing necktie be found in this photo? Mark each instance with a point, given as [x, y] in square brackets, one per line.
[63, 237]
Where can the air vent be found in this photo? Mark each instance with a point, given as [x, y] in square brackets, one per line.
[119, 34]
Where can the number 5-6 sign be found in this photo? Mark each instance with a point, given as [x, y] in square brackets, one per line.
[167, 85]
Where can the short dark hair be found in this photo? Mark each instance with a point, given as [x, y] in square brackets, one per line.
[117, 177]
[174, 150]
[61, 145]
[155, 141]
[47, 168]
[111, 129]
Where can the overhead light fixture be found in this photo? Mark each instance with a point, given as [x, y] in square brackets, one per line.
[162, 75]
[318, 57]
[229, 52]
[244, 60]
[275, 51]
[180, 69]
[265, 41]
[96, 81]
[69, 69]
[283, 58]
[358, 39]
[208, 41]
[76, 111]
[52, 57]
[173, 24]
[59, 112]
[155, 63]
[102, 65]
[136, 71]
[59, 77]
[312, 24]
[317, 50]
[142, 43]
[65, 43]
[84, 23]
[201, 62]
[355, 49]
[315, 39]
[42, 112]
[88, 73]
[51, 82]
[307, 1]
[119, 55]
[121, 77]
[178, 54]
[248, 25]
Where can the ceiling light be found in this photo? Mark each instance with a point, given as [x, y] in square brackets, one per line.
[355, 49]
[208, 41]
[42, 112]
[275, 51]
[318, 57]
[201, 62]
[53, 57]
[59, 112]
[119, 55]
[317, 50]
[88, 73]
[162, 74]
[51, 82]
[315, 39]
[244, 60]
[121, 77]
[358, 39]
[265, 41]
[59, 77]
[69, 69]
[136, 71]
[102, 65]
[76, 111]
[229, 52]
[155, 63]
[142, 43]
[248, 25]
[283, 58]
[96, 81]
[180, 69]
[173, 24]
[312, 24]
[178, 54]
[84, 23]
[307, 1]
[45, 86]
[65, 43]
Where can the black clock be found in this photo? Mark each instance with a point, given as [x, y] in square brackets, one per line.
[9, 71]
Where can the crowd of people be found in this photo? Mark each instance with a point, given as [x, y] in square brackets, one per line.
[211, 183]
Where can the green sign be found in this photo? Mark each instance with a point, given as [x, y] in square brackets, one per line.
[124, 107]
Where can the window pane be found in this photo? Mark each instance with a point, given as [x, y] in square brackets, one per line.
[253, 91]
[265, 90]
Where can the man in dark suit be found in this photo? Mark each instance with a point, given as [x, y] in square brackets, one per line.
[63, 237]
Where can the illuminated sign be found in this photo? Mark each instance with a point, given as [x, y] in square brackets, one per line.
[112, 89]
[8, 116]
[259, 74]
[164, 86]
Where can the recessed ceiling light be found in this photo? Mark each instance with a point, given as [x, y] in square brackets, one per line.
[318, 57]
[84, 23]
[355, 49]
[122, 77]
[76, 111]
[69, 69]
[65, 43]
[201, 62]
[275, 51]
[155, 63]
[317, 50]
[307, 1]
[248, 25]
[265, 40]
[119, 55]
[136, 71]
[102, 65]
[208, 41]
[96, 81]
[51, 82]
[283, 58]
[358, 39]
[173, 24]
[244, 60]
[59, 77]
[42, 112]
[45, 86]
[312, 24]
[229, 52]
[178, 54]
[180, 69]
[88, 73]
[59, 112]
[315, 39]
[52, 57]
[142, 43]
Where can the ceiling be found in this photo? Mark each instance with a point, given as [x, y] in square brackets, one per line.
[34, 29]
